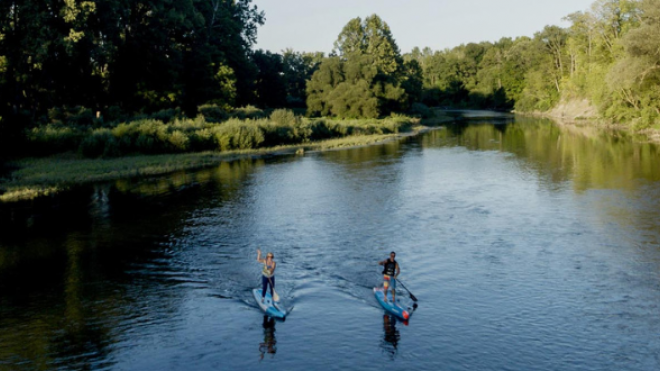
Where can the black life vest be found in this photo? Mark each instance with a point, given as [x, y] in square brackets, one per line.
[389, 267]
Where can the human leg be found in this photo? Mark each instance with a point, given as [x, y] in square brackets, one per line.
[264, 286]
[272, 286]
[386, 286]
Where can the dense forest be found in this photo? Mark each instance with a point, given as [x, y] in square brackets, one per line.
[98, 63]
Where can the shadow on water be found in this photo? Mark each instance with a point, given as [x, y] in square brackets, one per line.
[391, 335]
[269, 345]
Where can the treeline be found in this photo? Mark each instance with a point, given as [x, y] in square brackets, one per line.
[101, 62]
[97, 64]
[608, 55]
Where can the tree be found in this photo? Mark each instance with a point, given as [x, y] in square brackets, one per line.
[635, 78]
[270, 84]
[369, 62]
[298, 69]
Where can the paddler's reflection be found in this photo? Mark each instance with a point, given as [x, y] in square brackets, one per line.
[391, 334]
[268, 346]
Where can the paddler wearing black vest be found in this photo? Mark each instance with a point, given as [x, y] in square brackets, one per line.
[390, 272]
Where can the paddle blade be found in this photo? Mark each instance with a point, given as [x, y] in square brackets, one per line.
[413, 297]
[276, 297]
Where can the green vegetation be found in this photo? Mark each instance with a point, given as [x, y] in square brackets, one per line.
[367, 77]
[179, 135]
[608, 56]
[49, 175]
[104, 79]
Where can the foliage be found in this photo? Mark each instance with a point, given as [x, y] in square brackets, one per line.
[134, 57]
[179, 135]
[70, 69]
[366, 78]
[608, 56]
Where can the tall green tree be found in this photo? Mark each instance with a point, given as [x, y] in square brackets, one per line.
[635, 78]
[373, 77]
[137, 54]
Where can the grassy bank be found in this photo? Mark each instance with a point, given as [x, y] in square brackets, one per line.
[43, 176]
[583, 113]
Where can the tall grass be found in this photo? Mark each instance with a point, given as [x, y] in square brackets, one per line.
[246, 128]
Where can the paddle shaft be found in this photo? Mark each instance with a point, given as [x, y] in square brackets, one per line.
[411, 294]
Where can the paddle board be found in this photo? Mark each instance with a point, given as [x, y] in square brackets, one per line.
[396, 309]
[271, 308]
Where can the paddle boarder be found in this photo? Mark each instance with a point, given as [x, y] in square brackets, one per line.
[267, 274]
[390, 272]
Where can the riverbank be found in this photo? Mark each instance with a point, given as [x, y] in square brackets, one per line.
[45, 176]
[583, 113]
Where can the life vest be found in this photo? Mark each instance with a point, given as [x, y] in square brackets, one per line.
[267, 269]
[389, 267]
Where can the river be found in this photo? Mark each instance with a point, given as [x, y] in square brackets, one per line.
[529, 246]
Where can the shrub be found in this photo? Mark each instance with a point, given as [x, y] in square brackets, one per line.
[167, 115]
[94, 145]
[421, 110]
[237, 134]
[179, 141]
[51, 139]
[213, 113]
[202, 140]
[248, 112]
[284, 117]
[73, 116]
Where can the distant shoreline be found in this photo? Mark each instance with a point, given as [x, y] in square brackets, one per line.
[47, 176]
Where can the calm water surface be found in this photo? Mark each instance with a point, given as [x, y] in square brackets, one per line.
[529, 246]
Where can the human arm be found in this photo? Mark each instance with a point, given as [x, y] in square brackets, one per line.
[396, 274]
[259, 256]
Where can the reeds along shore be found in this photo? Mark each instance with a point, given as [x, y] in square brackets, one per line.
[153, 147]
[209, 131]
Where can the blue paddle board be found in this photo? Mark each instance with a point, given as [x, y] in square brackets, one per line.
[271, 308]
[401, 312]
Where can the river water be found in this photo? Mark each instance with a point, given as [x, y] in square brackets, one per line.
[529, 246]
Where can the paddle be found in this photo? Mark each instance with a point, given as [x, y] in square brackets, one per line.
[411, 294]
[276, 297]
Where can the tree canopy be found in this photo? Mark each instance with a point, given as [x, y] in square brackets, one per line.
[365, 76]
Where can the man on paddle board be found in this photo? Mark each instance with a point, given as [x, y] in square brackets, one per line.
[267, 274]
[390, 272]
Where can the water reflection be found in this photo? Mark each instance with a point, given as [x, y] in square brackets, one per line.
[391, 335]
[269, 345]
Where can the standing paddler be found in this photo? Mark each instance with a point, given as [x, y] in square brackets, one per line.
[390, 272]
[267, 274]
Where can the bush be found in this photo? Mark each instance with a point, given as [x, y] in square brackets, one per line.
[51, 139]
[248, 112]
[179, 141]
[284, 117]
[167, 115]
[421, 110]
[284, 127]
[114, 114]
[73, 116]
[213, 113]
[100, 142]
[237, 134]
